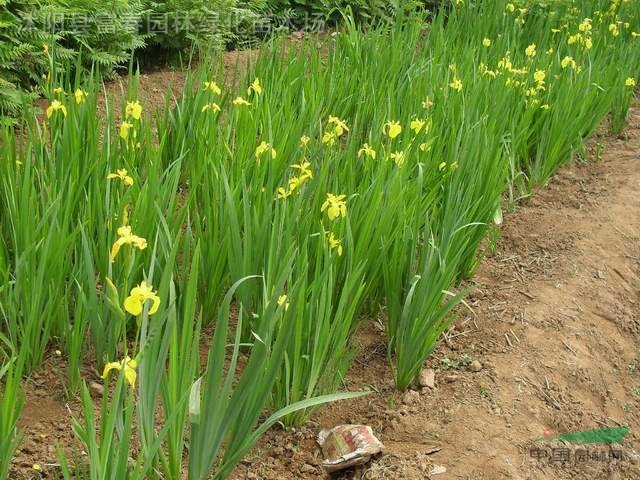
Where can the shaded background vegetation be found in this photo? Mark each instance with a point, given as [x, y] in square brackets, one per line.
[101, 35]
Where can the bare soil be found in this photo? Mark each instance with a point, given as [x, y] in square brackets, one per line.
[554, 321]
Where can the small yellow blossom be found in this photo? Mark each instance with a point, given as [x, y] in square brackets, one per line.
[630, 82]
[212, 87]
[530, 51]
[398, 158]
[539, 76]
[484, 70]
[282, 301]
[453, 166]
[392, 129]
[568, 61]
[427, 103]
[456, 84]
[304, 141]
[368, 151]
[239, 101]
[122, 175]
[263, 148]
[505, 63]
[283, 193]
[58, 91]
[442, 166]
[486, 42]
[133, 110]
[511, 8]
[335, 205]
[585, 25]
[255, 87]
[295, 183]
[127, 365]
[134, 303]
[613, 28]
[417, 125]
[36, 467]
[425, 147]
[335, 243]
[329, 138]
[56, 106]
[213, 107]
[339, 126]
[80, 96]
[124, 129]
[126, 237]
[305, 170]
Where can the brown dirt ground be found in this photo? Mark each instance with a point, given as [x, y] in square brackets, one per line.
[554, 322]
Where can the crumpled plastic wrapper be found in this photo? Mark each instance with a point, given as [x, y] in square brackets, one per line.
[347, 446]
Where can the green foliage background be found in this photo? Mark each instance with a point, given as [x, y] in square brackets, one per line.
[103, 34]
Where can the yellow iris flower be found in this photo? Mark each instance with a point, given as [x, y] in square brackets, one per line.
[392, 129]
[456, 84]
[283, 193]
[80, 96]
[304, 141]
[367, 151]
[212, 87]
[630, 82]
[263, 148]
[255, 87]
[425, 147]
[282, 301]
[335, 243]
[339, 126]
[239, 101]
[122, 175]
[486, 42]
[530, 51]
[335, 205]
[128, 365]
[214, 107]
[304, 169]
[133, 110]
[124, 129]
[398, 158]
[417, 125]
[329, 138]
[134, 303]
[568, 61]
[126, 237]
[56, 106]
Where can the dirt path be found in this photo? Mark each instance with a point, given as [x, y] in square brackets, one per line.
[555, 325]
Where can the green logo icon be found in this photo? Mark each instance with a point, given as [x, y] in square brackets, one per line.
[601, 435]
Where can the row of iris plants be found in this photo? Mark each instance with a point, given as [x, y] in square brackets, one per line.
[274, 212]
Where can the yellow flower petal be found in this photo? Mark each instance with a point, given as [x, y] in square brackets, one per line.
[110, 366]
